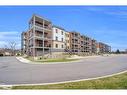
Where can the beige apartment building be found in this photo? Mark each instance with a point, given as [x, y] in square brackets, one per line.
[75, 42]
[103, 48]
[67, 42]
[39, 36]
[85, 44]
[58, 37]
[43, 38]
[94, 46]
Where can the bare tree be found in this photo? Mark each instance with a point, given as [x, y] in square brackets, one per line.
[12, 46]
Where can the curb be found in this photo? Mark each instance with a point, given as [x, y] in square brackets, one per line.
[21, 59]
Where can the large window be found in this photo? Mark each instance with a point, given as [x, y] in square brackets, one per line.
[62, 46]
[56, 45]
[62, 32]
[62, 39]
[56, 38]
[56, 30]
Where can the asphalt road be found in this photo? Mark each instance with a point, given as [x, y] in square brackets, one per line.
[13, 71]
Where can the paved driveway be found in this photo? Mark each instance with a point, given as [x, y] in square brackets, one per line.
[14, 72]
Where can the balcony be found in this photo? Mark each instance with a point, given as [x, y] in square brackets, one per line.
[41, 46]
[40, 36]
[43, 27]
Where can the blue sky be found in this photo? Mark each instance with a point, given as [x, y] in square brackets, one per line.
[106, 24]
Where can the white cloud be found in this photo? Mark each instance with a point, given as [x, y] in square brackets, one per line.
[120, 12]
[2, 44]
[6, 37]
[116, 46]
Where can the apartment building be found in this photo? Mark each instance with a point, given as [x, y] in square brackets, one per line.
[39, 36]
[67, 41]
[85, 44]
[75, 41]
[58, 42]
[103, 48]
[43, 37]
[24, 42]
[93, 46]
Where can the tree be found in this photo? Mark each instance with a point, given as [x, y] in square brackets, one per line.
[11, 46]
[117, 51]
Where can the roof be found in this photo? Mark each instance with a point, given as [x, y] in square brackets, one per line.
[59, 27]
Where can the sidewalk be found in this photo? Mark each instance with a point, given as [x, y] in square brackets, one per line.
[23, 60]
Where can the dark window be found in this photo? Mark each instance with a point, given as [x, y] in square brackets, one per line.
[62, 39]
[62, 46]
[56, 45]
[56, 38]
[62, 32]
[56, 31]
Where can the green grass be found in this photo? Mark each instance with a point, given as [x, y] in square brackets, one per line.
[1, 88]
[57, 60]
[51, 60]
[115, 82]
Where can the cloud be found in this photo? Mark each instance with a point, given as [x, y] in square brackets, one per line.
[10, 36]
[2, 43]
[115, 38]
[120, 12]
[119, 46]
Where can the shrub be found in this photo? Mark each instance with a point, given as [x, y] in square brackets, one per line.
[1, 54]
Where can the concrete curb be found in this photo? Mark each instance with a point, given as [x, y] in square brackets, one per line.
[106, 76]
[21, 59]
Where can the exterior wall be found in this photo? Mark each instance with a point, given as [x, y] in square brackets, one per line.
[61, 45]
[39, 36]
[58, 33]
[85, 44]
[98, 47]
[59, 48]
[94, 44]
[24, 42]
[67, 41]
[103, 48]
[88, 45]
[75, 42]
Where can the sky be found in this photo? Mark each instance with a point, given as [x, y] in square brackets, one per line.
[106, 24]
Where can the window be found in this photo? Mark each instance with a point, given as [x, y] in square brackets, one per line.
[62, 32]
[56, 38]
[62, 39]
[56, 31]
[61, 46]
[56, 45]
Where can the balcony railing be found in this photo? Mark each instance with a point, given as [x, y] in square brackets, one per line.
[39, 25]
[41, 36]
[41, 45]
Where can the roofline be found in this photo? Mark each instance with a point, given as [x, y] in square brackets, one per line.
[41, 17]
[59, 27]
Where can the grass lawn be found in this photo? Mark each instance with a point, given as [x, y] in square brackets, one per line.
[1, 88]
[57, 60]
[52, 60]
[115, 82]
